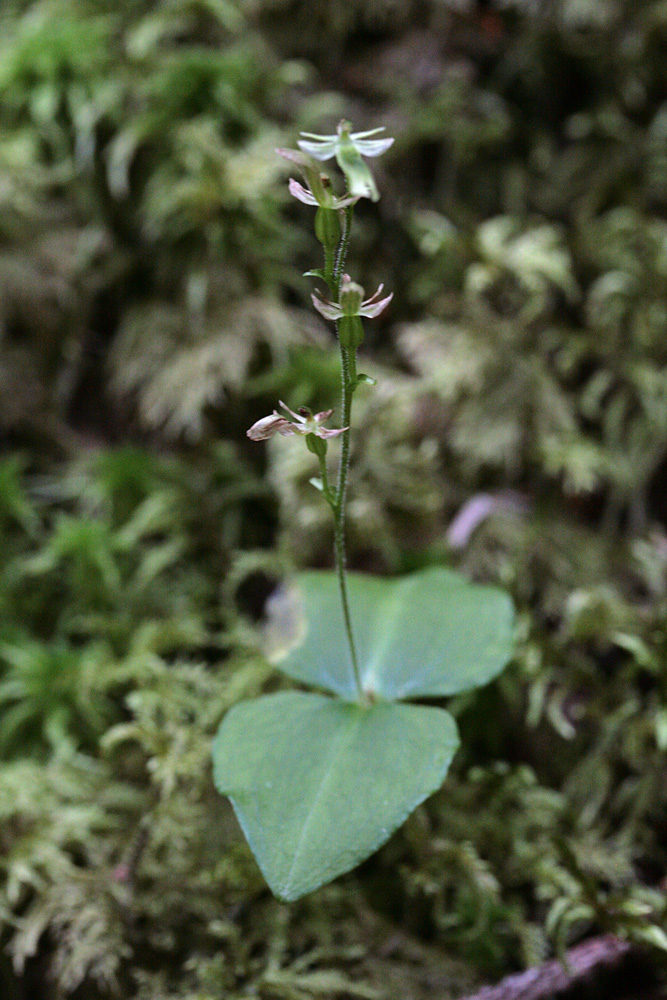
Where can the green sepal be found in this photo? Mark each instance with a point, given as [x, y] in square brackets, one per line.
[316, 272]
[366, 380]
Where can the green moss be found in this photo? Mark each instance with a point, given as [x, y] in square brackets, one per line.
[151, 292]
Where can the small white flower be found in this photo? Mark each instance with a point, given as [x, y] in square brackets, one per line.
[349, 148]
[324, 147]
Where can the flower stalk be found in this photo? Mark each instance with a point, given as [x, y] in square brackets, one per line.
[346, 307]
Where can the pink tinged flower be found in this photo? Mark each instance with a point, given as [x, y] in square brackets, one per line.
[329, 200]
[306, 423]
[317, 191]
[310, 170]
[352, 302]
[303, 423]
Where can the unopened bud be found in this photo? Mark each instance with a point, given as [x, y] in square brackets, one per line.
[351, 297]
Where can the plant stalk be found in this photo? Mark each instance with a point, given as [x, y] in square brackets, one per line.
[326, 488]
[341, 253]
[339, 512]
[347, 388]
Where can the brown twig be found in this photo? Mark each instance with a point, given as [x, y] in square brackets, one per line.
[556, 976]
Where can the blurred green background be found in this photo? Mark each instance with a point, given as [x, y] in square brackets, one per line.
[152, 307]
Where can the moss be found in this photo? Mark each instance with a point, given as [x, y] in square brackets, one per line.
[152, 307]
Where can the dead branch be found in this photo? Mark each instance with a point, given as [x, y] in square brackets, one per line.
[556, 976]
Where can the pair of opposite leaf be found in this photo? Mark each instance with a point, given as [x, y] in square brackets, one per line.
[320, 781]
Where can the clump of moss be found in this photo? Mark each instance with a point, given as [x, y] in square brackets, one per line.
[151, 292]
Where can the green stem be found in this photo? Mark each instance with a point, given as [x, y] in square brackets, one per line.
[344, 468]
[341, 254]
[333, 270]
[339, 512]
[326, 489]
[329, 265]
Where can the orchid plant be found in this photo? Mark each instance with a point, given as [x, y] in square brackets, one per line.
[320, 781]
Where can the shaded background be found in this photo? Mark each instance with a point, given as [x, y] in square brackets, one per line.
[152, 307]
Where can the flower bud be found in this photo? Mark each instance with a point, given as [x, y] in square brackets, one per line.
[351, 297]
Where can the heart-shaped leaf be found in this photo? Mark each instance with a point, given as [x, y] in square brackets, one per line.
[429, 634]
[318, 784]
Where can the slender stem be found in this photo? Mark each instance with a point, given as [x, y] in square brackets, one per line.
[326, 489]
[341, 253]
[338, 505]
[342, 585]
[339, 512]
[329, 264]
[346, 416]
